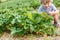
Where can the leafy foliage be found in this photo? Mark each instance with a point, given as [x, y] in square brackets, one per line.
[19, 18]
[57, 3]
[21, 24]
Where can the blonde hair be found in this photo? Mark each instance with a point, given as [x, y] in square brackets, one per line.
[45, 0]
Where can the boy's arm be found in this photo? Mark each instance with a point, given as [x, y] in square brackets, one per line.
[40, 9]
[55, 11]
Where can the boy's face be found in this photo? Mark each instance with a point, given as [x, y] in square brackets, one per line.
[46, 4]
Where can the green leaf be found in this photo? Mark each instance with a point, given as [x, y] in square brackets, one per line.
[13, 21]
[13, 30]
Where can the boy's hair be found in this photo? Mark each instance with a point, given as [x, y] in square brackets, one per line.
[45, 1]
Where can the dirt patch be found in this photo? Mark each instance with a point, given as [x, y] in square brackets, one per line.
[7, 36]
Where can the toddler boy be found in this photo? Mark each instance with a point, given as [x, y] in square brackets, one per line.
[50, 9]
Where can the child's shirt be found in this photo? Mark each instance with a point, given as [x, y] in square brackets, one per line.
[50, 8]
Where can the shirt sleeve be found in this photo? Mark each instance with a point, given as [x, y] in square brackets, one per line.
[54, 8]
[40, 10]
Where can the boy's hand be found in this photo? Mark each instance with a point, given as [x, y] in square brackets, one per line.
[53, 12]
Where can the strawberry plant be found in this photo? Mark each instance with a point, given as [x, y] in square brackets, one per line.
[57, 3]
[21, 24]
